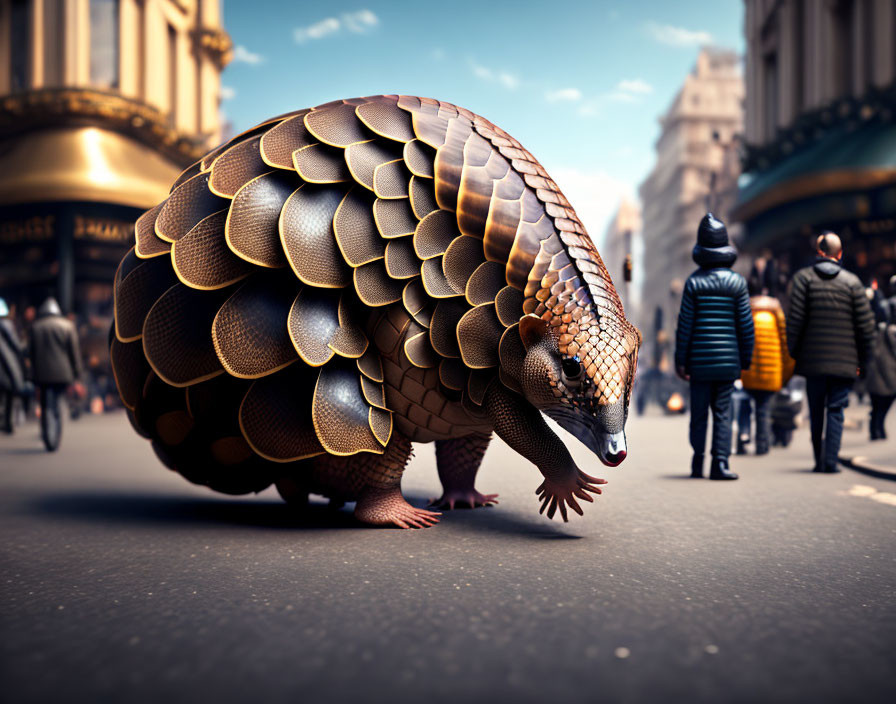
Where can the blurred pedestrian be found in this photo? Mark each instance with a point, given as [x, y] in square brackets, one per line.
[772, 366]
[714, 342]
[55, 363]
[787, 405]
[883, 307]
[12, 367]
[881, 379]
[830, 331]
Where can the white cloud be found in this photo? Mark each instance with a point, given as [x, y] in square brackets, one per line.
[563, 95]
[359, 22]
[677, 36]
[318, 30]
[482, 72]
[618, 96]
[629, 90]
[227, 93]
[508, 80]
[634, 85]
[595, 195]
[589, 109]
[505, 78]
[242, 55]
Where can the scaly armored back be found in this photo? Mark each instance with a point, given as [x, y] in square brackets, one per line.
[337, 282]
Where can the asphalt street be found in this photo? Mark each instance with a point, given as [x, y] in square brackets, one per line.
[121, 582]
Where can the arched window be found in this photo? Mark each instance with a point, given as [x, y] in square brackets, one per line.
[104, 43]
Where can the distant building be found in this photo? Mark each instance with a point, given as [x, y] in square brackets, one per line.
[696, 170]
[102, 105]
[820, 147]
[617, 251]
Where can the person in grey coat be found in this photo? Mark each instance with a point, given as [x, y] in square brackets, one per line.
[12, 366]
[830, 332]
[55, 364]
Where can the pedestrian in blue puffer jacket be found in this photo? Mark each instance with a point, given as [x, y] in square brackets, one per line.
[714, 343]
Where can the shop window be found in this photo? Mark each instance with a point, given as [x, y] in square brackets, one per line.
[104, 43]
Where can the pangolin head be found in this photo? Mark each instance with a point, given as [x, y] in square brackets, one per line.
[579, 368]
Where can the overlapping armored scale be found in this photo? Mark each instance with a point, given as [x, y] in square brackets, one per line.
[427, 220]
[502, 195]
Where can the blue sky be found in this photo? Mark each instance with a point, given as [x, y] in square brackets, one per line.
[580, 84]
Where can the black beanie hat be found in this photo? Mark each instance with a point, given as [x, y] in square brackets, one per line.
[712, 232]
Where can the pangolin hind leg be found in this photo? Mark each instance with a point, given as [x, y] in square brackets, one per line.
[293, 491]
[522, 427]
[375, 481]
[458, 461]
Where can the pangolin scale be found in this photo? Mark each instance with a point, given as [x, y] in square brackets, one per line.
[338, 282]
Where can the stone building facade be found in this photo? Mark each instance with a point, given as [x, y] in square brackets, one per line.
[618, 251]
[696, 170]
[820, 148]
[102, 104]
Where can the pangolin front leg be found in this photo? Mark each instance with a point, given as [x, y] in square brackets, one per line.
[458, 461]
[380, 502]
[522, 427]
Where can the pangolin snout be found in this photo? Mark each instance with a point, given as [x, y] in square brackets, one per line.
[612, 448]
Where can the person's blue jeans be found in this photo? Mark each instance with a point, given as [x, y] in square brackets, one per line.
[50, 418]
[827, 396]
[715, 395]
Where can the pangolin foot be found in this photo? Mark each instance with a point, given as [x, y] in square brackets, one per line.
[292, 492]
[463, 497]
[387, 507]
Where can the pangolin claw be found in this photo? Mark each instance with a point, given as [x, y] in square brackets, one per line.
[556, 495]
[387, 507]
[457, 498]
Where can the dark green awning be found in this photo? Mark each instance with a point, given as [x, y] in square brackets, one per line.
[843, 160]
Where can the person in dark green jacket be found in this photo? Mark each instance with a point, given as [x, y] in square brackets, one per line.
[830, 333]
[714, 343]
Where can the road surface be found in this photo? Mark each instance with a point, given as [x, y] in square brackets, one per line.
[122, 582]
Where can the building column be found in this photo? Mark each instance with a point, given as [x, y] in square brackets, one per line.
[4, 47]
[76, 41]
[36, 44]
[884, 43]
[816, 64]
[129, 45]
[65, 242]
[786, 62]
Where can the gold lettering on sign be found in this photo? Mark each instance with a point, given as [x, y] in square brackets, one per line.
[103, 229]
[39, 228]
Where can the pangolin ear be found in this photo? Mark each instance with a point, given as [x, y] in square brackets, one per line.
[532, 329]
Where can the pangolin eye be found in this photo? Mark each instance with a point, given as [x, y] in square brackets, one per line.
[572, 368]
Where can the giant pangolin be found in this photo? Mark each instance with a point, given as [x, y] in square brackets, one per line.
[336, 283]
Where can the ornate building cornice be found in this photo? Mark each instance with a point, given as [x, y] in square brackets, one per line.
[878, 105]
[215, 43]
[23, 112]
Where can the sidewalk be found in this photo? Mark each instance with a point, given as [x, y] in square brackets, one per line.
[877, 459]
